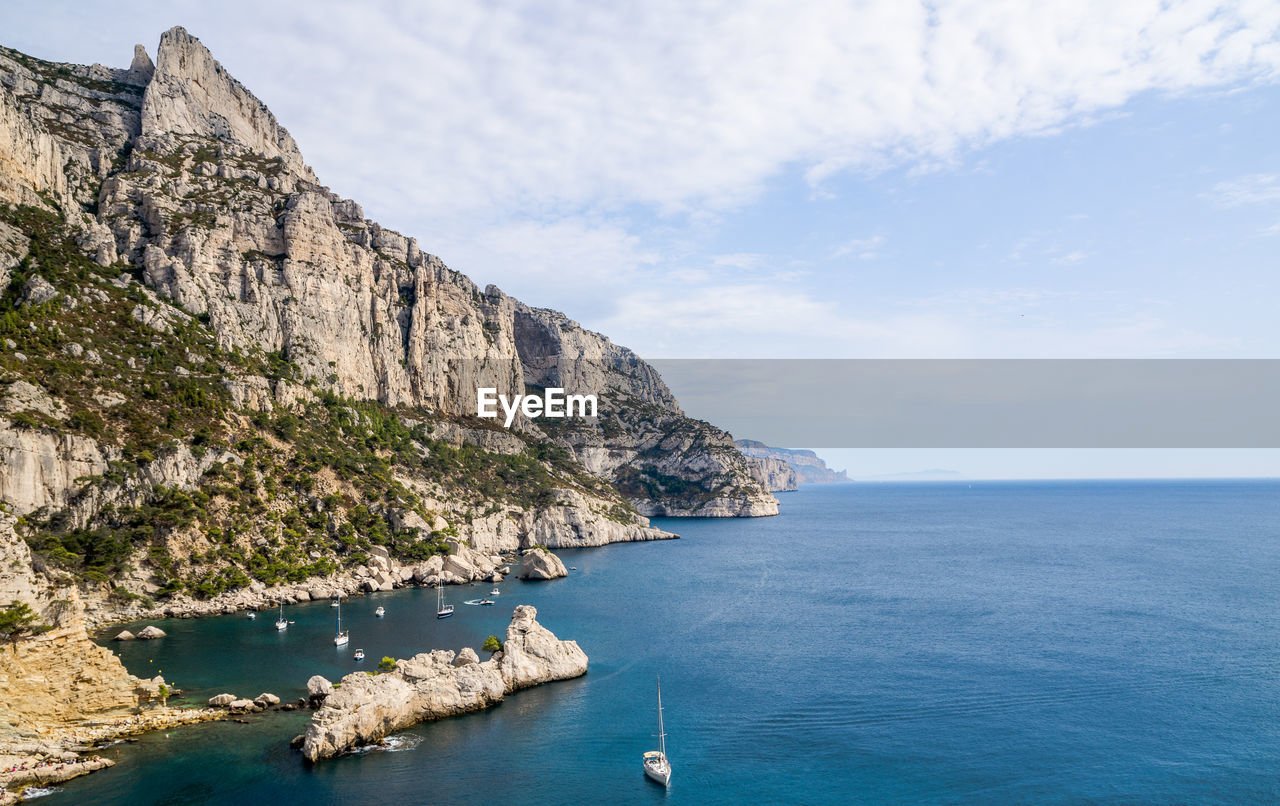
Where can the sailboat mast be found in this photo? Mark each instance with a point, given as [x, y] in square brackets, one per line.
[338, 631]
[662, 737]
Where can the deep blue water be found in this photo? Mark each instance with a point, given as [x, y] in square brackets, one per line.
[938, 643]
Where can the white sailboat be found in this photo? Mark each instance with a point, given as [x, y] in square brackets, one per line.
[380, 612]
[281, 624]
[656, 765]
[442, 610]
[340, 637]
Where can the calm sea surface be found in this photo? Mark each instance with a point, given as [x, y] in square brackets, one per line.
[938, 643]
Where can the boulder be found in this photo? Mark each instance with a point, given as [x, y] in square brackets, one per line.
[37, 291]
[538, 563]
[466, 656]
[151, 631]
[124, 635]
[240, 706]
[318, 688]
[222, 700]
[460, 568]
[265, 699]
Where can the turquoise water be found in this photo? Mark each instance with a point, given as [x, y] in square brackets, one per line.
[935, 643]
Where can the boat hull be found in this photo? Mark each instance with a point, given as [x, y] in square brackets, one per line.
[660, 776]
[657, 768]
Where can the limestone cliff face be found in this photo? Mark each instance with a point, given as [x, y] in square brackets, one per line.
[433, 685]
[775, 474]
[190, 95]
[61, 678]
[211, 272]
[807, 465]
[664, 462]
[196, 184]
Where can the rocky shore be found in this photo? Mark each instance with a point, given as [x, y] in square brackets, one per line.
[381, 573]
[70, 752]
[364, 708]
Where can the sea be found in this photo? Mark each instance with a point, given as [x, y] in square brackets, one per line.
[993, 642]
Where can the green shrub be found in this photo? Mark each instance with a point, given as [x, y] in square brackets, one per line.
[17, 620]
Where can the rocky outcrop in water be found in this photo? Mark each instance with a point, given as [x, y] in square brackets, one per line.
[538, 563]
[366, 708]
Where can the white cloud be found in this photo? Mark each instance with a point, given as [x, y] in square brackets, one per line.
[579, 262]
[748, 261]
[518, 140]
[862, 248]
[1074, 256]
[1251, 189]
[766, 320]
[553, 106]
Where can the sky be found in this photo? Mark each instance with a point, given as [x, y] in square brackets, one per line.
[770, 180]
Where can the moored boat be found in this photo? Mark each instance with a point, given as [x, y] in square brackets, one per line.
[442, 610]
[340, 636]
[656, 765]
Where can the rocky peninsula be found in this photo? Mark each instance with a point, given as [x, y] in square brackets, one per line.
[364, 708]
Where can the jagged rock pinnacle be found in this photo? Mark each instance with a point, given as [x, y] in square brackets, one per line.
[192, 95]
[141, 69]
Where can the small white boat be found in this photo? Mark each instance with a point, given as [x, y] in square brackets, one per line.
[380, 612]
[340, 636]
[281, 624]
[656, 765]
[442, 610]
[252, 615]
[573, 568]
[359, 654]
[337, 600]
[487, 602]
[495, 592]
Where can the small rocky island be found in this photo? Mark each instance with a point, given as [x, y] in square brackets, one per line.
[364, 707]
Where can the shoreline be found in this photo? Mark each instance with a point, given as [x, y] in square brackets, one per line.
[380, 575]
[63, 754]
[64, 748]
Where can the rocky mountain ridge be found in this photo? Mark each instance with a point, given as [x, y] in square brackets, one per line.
[806, 465]
[220, 384]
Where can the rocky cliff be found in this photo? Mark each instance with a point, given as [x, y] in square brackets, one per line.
[221, 385]
[807, 465]
[365, 708]
[189, 182]
[775, 475]
[193, 324]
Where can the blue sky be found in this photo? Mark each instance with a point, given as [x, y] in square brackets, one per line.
[742, 179]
